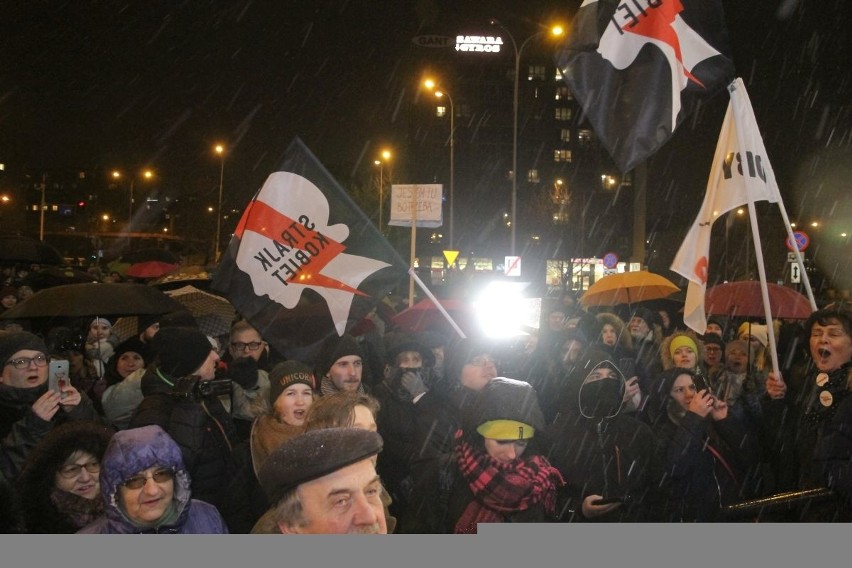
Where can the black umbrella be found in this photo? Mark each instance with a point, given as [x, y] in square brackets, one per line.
[57, 276]
[17, 248]
[83, 300]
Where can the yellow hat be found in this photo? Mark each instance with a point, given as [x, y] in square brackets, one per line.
[682, 341]
[506, 430]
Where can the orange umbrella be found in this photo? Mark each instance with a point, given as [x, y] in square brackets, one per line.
[628, 288]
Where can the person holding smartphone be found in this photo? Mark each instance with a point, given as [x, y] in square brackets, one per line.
[710, 458]
[28, 408]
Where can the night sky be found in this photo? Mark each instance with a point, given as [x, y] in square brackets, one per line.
[102, 84]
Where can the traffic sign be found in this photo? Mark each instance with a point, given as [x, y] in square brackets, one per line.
[795, 275]
[791, 256]
[513, 266]
[802, 241]
[451, 256]
[610, 260]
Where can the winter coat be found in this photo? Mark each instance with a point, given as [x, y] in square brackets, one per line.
[136, 450]
[601, 450]
[203, 430]
[121, 400]
[821, 452]
[21, 430]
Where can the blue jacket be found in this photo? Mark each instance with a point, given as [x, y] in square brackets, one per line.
[138, 449]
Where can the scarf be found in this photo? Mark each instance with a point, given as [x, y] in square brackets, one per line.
[327, 387]
[501, 488]
[268, 434]
[78, 510]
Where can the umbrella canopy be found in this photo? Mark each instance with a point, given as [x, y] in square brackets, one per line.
[744, 299]
[144, 255]
[213, 313]
[57, 276]
[78, 300]
[151, 269]
[424, 316]
[628, 288]
[16, 248]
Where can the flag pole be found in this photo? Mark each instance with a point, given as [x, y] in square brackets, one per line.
[413, 241]
[415, 278]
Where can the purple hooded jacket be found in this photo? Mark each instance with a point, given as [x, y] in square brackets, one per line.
[138, 449]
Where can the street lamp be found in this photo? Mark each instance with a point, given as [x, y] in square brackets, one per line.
[386, 156]
[221, 151]
[555, 31]
[430, 84]
[147, 174]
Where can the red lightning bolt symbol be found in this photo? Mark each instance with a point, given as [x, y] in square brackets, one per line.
[261, 218]
[658, 25]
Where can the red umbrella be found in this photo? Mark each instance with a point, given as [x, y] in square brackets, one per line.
[425, 316]
[744, 299]
[151, 269]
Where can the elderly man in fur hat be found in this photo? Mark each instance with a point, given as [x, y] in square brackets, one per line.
[325, 482]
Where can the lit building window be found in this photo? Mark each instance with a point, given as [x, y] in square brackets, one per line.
[440, 111]
[563, 93]
[565, 135]
[563, 113]
[532, 176]
[558, 74]
[584, 136]
[536, 73]
[54, 207]
[562, 155]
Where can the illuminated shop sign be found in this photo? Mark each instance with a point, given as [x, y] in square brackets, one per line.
[432, 41]
[481, 44]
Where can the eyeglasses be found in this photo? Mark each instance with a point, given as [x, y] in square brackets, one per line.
[159, 476]
[240, 346]
[481, 361]
[681, 390]
[73, 470]
[24, 362]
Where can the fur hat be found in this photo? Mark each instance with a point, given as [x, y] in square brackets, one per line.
[13, 341]
[333, 349]
[289, 373]
[181, 350]
[312, 455]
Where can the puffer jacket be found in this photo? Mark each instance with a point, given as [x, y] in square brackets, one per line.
[135, 450]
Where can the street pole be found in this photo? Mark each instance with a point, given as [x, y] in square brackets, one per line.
[452, 173]
[41, 209]
[381, 194]
[130, 207]
[221, 151]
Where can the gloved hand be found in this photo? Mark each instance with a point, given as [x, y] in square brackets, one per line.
[243, 371]
[412, 382]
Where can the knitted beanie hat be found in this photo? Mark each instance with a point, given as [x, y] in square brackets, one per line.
[13, 341]
[289, 373]
[181, 350]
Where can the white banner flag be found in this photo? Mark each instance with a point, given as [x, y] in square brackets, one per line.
[740, 173]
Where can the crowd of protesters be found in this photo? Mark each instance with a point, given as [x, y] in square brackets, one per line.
[595, 417]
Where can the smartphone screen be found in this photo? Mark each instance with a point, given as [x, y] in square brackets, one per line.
[58, 375]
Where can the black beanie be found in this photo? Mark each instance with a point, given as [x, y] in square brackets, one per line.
[181, 350]
[462, 352]
[135, 345]
[333, 349]
[13, 341]
[506, 399]
[647, 315]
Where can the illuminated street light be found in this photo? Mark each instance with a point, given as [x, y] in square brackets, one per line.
[147, 174]
[440, 92]
[221, 151]
[555, 31]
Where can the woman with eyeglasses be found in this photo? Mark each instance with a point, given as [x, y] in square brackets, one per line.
[146, 489]
[60, 483]
[710, 458]
[28, 409]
